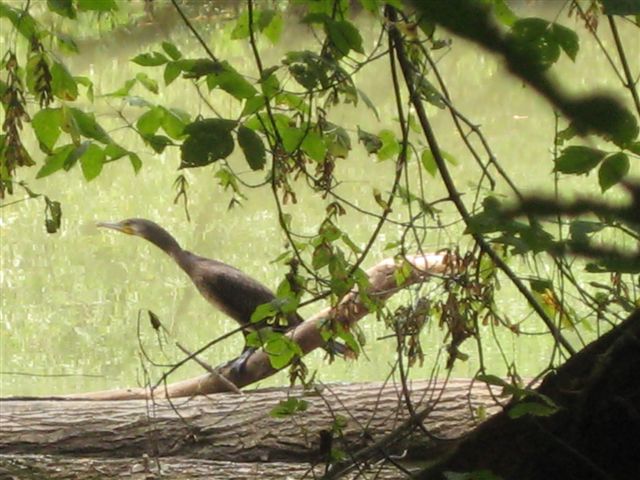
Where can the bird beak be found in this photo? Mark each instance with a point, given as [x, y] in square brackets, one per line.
[116, 226]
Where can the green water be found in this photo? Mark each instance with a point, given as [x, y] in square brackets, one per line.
[71, 301]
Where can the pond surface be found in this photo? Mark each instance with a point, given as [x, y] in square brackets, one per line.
[71, 302]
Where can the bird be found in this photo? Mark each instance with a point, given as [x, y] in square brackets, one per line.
[225, 287]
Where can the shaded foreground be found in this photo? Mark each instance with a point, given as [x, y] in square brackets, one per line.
[195, 437]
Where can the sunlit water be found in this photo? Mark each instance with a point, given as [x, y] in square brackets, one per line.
[71, 301]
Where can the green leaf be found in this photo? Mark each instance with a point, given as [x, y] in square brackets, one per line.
[241, 30]
[52, 215]
[55, 161]
[21, 20]
[613, 169]
[124, 90]
[88, 84]
[97, 5]
[147, 82]
[314, 146]
[253, 105]
[338, 140]
[607, 117]
[321, 256]
[624, 128]
[307, 68]
[281, 350]
[449, 158]
[263, 311]
[63, 84]
[75, 155]
[136, 163]
[63, 8]
[490, 219]
[288, 407]
[33, 69]
[344, 36]
[371, 142]
[329, 231]
[269, 83]
[115, 151]
[475, 475]
[503, 12]
[252, 147]
[157, 142]
[429, 162]
[619, 263]
[536, 409]
[634, 147]
[273, 31]
[578, 160]
[566, 134]
[390, 146]
[171, 50]
[208, 140]
[174, 122]
[621, 7]
[228, 79]
[66, 43]
[47, 127]
[264, 18]
[152, 59]
[316, 17]
[367, 101]
[533, 39]
[499, 382]
[430, 93]
[372, 6]
[199, 67]
[261, 20]
[92, 161]
[567, 39]
[291, 137]
[172, 70]
[579, 230]
[149, 122]
[88, 127]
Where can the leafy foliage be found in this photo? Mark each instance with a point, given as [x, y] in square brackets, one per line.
[288, 119]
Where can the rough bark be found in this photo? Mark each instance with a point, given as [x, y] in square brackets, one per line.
[228, 427]
[50, 467]
[383, 284]
[595, 434]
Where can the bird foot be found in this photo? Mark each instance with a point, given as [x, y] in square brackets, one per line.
[239, 364]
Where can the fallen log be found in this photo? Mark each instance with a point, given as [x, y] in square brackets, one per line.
[228, 427]
[383, 284]
[51, 467]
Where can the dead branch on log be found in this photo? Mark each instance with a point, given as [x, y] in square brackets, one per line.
[383, 285]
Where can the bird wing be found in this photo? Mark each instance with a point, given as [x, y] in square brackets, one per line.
[233, 291]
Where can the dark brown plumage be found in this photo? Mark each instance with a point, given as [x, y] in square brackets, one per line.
[225, 287]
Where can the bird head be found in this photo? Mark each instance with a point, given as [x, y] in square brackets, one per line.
[139, 227]
[146, 229]
[130, 226]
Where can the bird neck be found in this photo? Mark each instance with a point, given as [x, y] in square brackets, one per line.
[165, 242]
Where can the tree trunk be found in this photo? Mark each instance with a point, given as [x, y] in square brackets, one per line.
[595, 433]
[228, 427]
